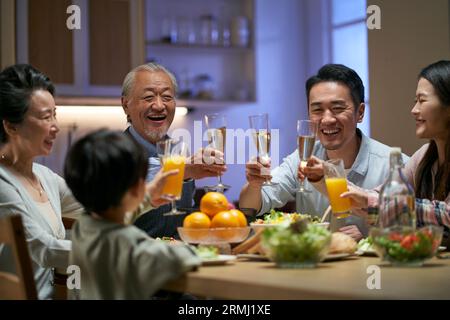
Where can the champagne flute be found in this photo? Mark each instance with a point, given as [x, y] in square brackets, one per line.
[217, 133]
[259, 125]
[172, 154]
[306, 136]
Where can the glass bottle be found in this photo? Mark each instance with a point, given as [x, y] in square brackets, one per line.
[372, 216]
[169, 32]
[397, 200]
[240, 33]
[209, 32]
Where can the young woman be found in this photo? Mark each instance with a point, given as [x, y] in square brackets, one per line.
[428, 170]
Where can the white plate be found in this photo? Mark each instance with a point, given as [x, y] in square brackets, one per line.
[258, 257]
[370, 253]
[373, 253]
[336, 256]
[221, 259]
[264, 225]
[254, 257]
[257, 226]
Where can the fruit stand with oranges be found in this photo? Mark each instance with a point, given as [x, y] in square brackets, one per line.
[215, 222]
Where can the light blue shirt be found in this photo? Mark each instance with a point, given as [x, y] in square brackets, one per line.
[370, 169]
[154, 164]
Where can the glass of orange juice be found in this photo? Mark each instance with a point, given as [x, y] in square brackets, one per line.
[336, 182]
[173, 154]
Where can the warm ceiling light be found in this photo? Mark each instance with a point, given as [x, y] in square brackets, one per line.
[181, 111]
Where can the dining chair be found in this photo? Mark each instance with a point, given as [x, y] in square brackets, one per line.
[60, 276]
[21, 285]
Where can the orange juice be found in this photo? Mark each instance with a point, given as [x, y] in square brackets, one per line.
[174, 184]
[335, 187]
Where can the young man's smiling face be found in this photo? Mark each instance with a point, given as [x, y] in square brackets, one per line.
[332, 107]
[150, 105]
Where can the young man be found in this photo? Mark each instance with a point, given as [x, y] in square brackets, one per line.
[117, 260]
[148, 99]
[336, 103]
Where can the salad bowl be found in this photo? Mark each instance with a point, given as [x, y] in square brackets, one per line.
[289, 248]
[405, 246]
[278, 218]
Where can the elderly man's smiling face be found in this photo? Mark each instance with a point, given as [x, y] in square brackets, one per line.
[150, 105]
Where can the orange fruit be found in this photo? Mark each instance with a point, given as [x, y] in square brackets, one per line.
[224, 219]
[197, 220]
[212, 203]
[240, 216]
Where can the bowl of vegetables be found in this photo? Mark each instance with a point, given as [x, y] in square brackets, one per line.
[406, 246]
[277, 218]
[298, 245]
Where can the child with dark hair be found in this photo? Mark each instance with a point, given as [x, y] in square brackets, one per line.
[106, 172]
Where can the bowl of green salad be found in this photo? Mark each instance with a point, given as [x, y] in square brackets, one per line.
[299, 245]
[406, 246]
[276, 218]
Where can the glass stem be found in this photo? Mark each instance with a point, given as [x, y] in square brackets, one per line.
[174, 207]
[219, 177]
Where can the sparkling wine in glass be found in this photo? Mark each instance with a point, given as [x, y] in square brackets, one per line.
[306, 137]
[173, 154]
[259, 125]
[217, 132]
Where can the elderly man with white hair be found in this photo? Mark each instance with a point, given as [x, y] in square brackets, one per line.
[149, 101]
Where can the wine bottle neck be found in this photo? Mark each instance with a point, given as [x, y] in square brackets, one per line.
[395, 161]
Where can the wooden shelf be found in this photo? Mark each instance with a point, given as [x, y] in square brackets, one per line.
[197, 47]
[192, 103]
[87, 101]
[111, 101]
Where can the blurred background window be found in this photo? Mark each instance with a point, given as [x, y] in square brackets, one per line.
[348, 43]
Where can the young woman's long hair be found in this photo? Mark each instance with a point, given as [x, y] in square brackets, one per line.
[438, 74]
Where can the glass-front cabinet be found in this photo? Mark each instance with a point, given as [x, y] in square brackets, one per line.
[208, 44]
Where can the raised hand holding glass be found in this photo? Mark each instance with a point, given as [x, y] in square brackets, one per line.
[306, 136]
[173, 154]
[217, 134]
[259, 125]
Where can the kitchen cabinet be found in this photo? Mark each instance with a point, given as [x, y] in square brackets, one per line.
[7, 34]
[90, 61]
[208, 45]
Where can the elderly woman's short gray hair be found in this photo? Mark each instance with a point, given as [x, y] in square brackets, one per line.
[128, 82]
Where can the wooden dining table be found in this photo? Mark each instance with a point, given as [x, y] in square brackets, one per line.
[351, 278]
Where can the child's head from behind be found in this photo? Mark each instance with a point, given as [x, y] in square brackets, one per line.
[104, 168]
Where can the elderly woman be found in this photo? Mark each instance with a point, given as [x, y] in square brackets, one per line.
[40, 196]
[28, 130]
